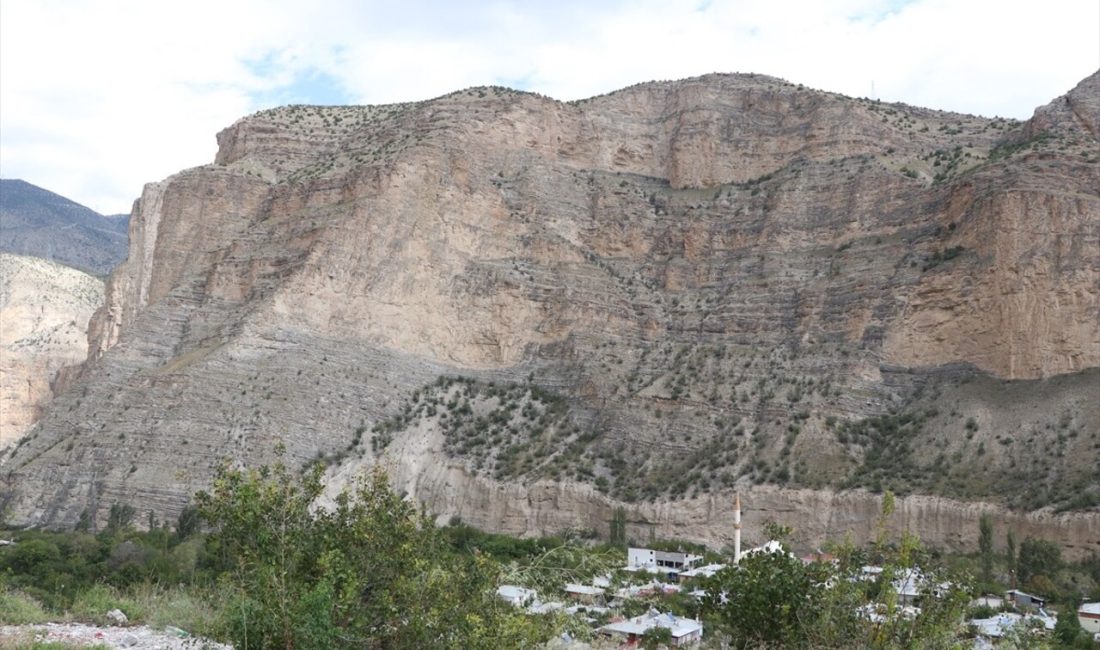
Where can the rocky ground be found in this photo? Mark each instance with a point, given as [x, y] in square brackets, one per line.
[80, 635]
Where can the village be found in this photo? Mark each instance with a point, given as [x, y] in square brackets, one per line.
[635, 601]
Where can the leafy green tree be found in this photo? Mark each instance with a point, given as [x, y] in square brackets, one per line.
[617, 531]
[985, 547]
[1038, 557]
[656, 637]
[120, 517]
[84, 523]
[368, 573]
[1010, 556]
[187, 524]
[1068, 629]
[766, 599]
[776, 531]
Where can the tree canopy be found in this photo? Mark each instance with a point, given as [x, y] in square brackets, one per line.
[371, 572]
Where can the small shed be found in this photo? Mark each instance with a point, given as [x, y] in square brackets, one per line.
[587, 594]
[1024, 601]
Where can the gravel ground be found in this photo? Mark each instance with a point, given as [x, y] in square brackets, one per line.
[138, 637]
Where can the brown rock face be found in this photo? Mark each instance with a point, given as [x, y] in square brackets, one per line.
[728, 281]
[44, 309]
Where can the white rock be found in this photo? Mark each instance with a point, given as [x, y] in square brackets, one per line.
[116, 617]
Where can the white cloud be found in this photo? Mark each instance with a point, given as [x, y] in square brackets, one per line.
[98, 97]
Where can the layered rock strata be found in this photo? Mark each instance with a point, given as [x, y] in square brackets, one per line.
[727, 278]
[44, 311]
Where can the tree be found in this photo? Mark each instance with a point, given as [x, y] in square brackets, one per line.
[617, 532]
[656, 637]
[1068, 629]
[120, 517]
[187, 524]
[84, 523]
[368, 573]
[776, 531]
[985, 547]
[766, 599]
[1010, 555]
[1038, 557]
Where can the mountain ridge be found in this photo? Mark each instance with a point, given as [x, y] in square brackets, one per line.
[732, 284]
[40, 223]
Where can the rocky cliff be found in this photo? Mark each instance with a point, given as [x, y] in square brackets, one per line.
[650, 298]
[44, 311]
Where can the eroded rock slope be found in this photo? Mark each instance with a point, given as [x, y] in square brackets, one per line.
[653, 298]
[44, 312]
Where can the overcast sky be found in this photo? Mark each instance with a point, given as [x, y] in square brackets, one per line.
[99, 97]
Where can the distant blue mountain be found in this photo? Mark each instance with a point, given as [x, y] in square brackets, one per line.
[39, 223]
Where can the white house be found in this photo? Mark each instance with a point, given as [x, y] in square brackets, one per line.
[665, 562]
[909, 585]
[539, 607]
[996, 626]
[701, 572]
[518, 596]
[684, 631]
[999, 625]
[1088, 615]
[653, 588]
[992, 602]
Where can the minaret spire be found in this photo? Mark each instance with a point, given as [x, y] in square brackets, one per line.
[737, 528]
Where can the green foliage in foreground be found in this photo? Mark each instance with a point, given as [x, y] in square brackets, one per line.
[369, 573]
[372, 572]
[17, 608]
[774, 600]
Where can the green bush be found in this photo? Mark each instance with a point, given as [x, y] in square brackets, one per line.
[91, 605]
[17, 608]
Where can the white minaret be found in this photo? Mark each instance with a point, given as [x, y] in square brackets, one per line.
[737, 529]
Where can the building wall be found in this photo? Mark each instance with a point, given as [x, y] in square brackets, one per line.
[641, 557]
[1091, 625]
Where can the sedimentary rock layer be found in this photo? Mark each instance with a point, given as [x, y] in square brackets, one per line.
[727, 278]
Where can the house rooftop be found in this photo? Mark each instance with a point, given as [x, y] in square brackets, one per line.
[704, 571]
[587, 590]
[515, 593]
[679, 626]
[1089, 608]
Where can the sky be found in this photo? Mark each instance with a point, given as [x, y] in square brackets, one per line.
[99, 97]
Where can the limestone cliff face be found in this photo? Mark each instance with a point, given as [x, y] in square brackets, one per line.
[44, 310]
[718, 275]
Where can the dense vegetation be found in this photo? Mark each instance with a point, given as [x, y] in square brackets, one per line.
[370, 571]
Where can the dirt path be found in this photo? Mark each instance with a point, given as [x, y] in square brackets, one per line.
[138, 637]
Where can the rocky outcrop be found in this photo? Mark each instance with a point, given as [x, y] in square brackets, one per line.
[734, 283]
[1076, 113]
[44, 308]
